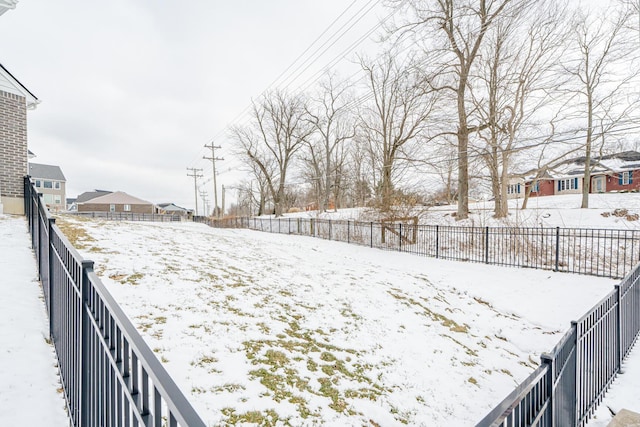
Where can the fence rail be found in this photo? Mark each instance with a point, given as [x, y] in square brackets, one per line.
[597, 252]
[110, 376]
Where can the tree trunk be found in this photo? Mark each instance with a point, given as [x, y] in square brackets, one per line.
[586, 180]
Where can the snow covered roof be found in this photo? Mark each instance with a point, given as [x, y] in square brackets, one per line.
[37, 170]
[119, 197]
[170, 207]
[608, 164]
[9, 83]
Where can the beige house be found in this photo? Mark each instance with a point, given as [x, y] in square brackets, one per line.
[118, 201]
[51, 183]
[15, 100]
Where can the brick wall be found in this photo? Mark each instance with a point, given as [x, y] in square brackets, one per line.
[13, 144]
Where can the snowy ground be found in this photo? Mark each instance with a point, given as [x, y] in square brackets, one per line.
[549, 211]
[30, 392]
[259, 327]
[263, 327]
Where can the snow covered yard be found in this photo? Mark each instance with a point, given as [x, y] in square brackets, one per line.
[30, 390]
[279, 330]
[609, 210]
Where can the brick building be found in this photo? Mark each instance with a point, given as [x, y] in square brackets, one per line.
[118, 201]
[15, 100]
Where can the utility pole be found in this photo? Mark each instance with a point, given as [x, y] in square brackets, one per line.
[205, 202]
[223, 198]
[214, 159]
[195, 173]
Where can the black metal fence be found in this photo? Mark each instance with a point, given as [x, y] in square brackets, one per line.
[572, 380]
[110, 376]
[597, 252]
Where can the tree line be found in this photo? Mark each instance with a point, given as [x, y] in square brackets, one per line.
[464, 97]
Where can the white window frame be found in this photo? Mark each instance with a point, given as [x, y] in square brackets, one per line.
[56, 185]
[112, 207]
[127, 208]
[626, 178]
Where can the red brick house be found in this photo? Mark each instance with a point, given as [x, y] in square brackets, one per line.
[610, 173]
[15, 100]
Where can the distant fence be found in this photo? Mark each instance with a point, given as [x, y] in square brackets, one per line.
[110, 376]
[597, 252]
[129, 216]
[571, 381]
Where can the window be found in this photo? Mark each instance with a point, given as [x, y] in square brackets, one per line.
[48, 184]
[625, 178]
[48, 198]
[38, 183]
[56, 185]
[57, 199]
[127, 208]
[513, 189]
[568, 184]
[112, 208]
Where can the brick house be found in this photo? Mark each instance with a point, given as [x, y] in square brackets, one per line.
[611, 173]
[51, 183]
[15, 100]
[118, 201]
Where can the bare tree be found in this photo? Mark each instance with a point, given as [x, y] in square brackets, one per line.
[333, 126]
[457, 29]
[396, 115]
[276, 132]
[600, 47]
[516, 74]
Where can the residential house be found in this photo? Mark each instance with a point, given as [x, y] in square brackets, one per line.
[15, 100]
[118, 201]
[88, 195]
[173, 209]
[610, 173]
[51, 183]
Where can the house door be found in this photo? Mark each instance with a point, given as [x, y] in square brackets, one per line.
[598, 184]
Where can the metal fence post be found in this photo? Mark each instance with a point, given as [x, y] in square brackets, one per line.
[329, 229]
[619, 328]
[486, 245]
[50, 256]
[578, 377]
[400, 236]
[371, 234]
[548, 360]
[348, 237]
[85, 364]
[557, 247]
[437, 241]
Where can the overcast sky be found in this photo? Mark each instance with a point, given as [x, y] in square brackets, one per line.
[131, 90]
